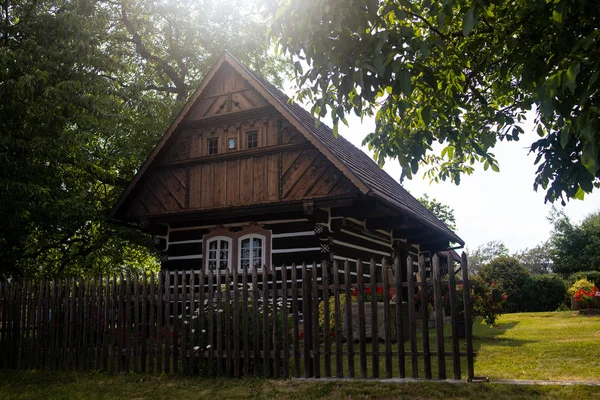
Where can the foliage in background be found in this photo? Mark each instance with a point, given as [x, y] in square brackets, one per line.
[442, 211]
[458, 73]
[87, 88]
[592, 276]
[342, 298]
[543, 293]
[485, 253]
[573, 247]
[487, 300]
[510, 276]
[537, 259]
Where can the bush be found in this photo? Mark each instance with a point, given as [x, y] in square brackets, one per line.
[543, 293]
[332, 312]
[581, 284]
[592, 276]
[510, 275]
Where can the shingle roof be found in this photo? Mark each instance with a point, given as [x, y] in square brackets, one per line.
[364, 167]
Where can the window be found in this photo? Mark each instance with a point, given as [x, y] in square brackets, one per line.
[219, 253]
[253, 139]
[252, 251]
[213, 146]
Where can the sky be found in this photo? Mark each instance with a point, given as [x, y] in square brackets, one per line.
[488, 206]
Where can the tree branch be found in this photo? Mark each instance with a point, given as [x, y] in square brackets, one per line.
[144, 52]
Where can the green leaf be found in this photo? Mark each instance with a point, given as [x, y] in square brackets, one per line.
[335, 129]
[589, 156]
[564, 137]
[580, 194]
[495, 167]
[404, 81]
[469, 21]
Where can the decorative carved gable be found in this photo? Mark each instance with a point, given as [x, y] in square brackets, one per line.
[228, 92]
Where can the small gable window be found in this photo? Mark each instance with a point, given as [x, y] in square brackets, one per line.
[213, 146]
[252, 139]
[219, 253]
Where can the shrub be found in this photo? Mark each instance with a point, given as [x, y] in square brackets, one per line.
[592, 276]
[487, 300]
[510, 275]
[332, 312]
[581, 284]
[543, 293]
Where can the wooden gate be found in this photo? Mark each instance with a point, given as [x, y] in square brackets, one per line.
[354, 319]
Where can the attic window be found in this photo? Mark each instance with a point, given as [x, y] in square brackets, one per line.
[213, 146]
[253, 139]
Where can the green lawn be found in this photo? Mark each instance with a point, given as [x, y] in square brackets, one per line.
[547, 346]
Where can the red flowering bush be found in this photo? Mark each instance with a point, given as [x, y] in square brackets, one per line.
[487, 300]
[368, 293]
[586, 297]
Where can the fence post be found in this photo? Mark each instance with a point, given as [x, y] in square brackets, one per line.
[439, 318]
[361, 319]
[349, 325]
[454, 319]
[295, 321]
[468, 326]
[412, 323]
[386, 319]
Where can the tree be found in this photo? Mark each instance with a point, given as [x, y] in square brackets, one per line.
[442, 211]
[484, 254]
[508, 273]
[537, 259]
[458, 73]
[86, 89]
[573, 247]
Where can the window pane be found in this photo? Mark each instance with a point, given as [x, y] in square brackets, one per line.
[212, 245]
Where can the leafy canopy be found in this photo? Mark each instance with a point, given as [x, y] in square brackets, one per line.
[459, 73]
[442, 211]
[575, 247]
[87, 88]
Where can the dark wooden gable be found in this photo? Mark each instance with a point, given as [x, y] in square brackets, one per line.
[282, 166]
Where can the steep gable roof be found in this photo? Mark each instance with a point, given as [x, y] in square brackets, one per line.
[357, 166]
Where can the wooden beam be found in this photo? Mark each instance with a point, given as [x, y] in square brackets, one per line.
[234, 155]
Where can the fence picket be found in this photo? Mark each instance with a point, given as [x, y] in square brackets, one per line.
[439, 318]
[315, 323]
[306, 319]
[425, 316]
[285, 327]
[468, 325]
[361, 319]
[454, 319]
[412, 323]
[265, 320]
[374, 322]
[210, 316]
[219, 338]
[339, 367]
[326, 324]
[274, 318]
[295, 321]
[228, 344]
[245, 321]
[386, 319]
[399, 317]
[349, 326]
[255, 323]
[236, 324]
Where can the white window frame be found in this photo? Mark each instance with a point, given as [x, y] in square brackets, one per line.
[263, 251]
[229, 253]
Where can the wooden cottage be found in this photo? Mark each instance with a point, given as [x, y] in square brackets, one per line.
[244, 177]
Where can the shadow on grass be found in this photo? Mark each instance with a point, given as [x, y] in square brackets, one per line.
[482, 334]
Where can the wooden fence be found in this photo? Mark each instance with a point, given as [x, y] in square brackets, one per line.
[248, 323]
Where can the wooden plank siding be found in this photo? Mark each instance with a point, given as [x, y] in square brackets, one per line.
[283, 166]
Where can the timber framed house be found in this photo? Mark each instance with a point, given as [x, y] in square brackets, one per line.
[243, 177]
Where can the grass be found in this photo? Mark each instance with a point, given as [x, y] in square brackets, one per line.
[546, 346]
[21, 385]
